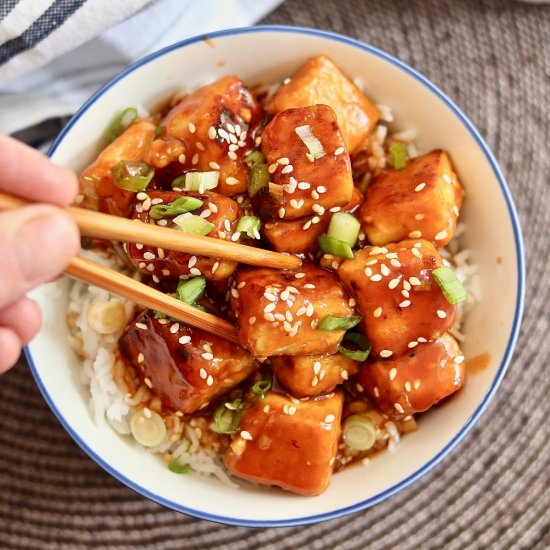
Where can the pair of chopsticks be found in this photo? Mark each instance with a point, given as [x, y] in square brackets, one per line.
[104, 226]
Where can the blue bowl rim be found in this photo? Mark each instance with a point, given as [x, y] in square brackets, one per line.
[305, 520]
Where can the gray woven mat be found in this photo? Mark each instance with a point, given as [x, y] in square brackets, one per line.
[493, 59]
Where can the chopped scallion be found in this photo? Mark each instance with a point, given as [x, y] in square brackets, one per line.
[147, 427]
[177, 468]
[361, 341]
[344, 227]
[261, 387]
[227, 417]
[258, 174]
[159, 131]
[336, 248]
[359, 433]
[250, 225]
[332, 322]
[122, 121]
[132, 175]
[180, 206]
[398, 155]
[192, 290]
[189, 223]
[201, 181]
[314, 146]
[179, 182]
[450, 285]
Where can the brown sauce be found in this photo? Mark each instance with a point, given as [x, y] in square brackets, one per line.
[478, 363]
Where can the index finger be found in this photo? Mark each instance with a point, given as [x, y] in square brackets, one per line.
[29, 174]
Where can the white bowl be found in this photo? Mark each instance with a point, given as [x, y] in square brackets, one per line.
[270, 54]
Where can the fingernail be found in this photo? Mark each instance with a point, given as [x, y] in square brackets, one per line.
[45, 245]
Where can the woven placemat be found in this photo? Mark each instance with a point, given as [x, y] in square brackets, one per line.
[492, 58]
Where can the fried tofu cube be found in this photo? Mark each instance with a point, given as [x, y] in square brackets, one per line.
[278, 311]
[401, 303]
[288, 443]
[310, 375]
[320, 81]
[302, 235]
[417, 380]
[222, 212]
[305, 185]
[186, 367]
[421, 200]
[218, 124]
[97, 185]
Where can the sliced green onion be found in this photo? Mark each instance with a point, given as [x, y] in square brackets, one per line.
[159, 131]
[227, 417]
[180, 206]
[261, 387]
[177, 468]
[398, 155]
[123, 120]
[250, 225]
[332, 322]
[179, 182]
[258, 174]
[344, 227]
[336, 248]
[191, 290]
[361, 341]
[189, 223]
[314, 146]
[147, 427]
[359, 433]
[132, 175]
[201, 181]
[451, 287]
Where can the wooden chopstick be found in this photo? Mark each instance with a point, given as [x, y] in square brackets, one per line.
[104, 226]
[113, 281]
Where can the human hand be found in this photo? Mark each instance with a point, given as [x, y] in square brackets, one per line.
[36, 241]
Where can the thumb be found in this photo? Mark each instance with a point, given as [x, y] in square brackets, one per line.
[37, 242]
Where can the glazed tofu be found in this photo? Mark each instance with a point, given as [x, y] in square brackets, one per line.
[310, 375]
[401, 303]
[222, 212]
[417, 380]
[301, 236]
[186, 367]
[218, 124]
[278, 311]
[286, 442]
[305, 185]
[421, 200]
[97, 185]
[320, 81]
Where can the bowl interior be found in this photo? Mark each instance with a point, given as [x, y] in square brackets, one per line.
[266, 55]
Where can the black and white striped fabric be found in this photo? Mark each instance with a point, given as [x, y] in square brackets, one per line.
[54, 54]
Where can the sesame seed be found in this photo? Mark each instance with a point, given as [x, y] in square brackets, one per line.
[231, 181]
[209, 380]
[139, 246]
[141, 326]
[447, 179]
[162, 222]
[419, 217]
[215, 267]
[386, 353]
[207, 356]
[310, 157]
[339, 151]
[309, 310]
[232, 155]
[287, 169]
[417, 383]
[415, 234]
[269, 308]
[376, 391]
[377, 312]
[272, 167]
[234, 293]
[166, 272]
[281, 212]
[199, 146]
[212, 132]
[385, 270]
[318, 209]
[441, 235]
[405, 293]
[269, 296]
[405, 303]
[205, 213]
[458, 359]
[140, 358]
[421, 339]
[150, 267]
[395, 263]
[455, 210]
[182, 158]
[174, 328]
[419, 187]
[156, 279]
[441, 314]
[352, 302]
[329, 418]
[315, 381]
[376, 278]
[269, 317]
[344, 374]
[192, 261]
[393, 373]
[315, 195]
[393, 283]
[148, 256]
[192, 127]
[412, 344]
[195, 271]
[337, 209]
[399, 408]
[146, 412]
[292, 410]
[408, 386]
[195, 158]
[304, 185]
[185, 340]
[415, 281]
[416, 252]
[236, 236]
[203, 374]
[223, 134]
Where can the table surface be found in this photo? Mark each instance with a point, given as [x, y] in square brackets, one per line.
[493, 58]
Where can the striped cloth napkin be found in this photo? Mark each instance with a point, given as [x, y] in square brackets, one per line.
[55, 53]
